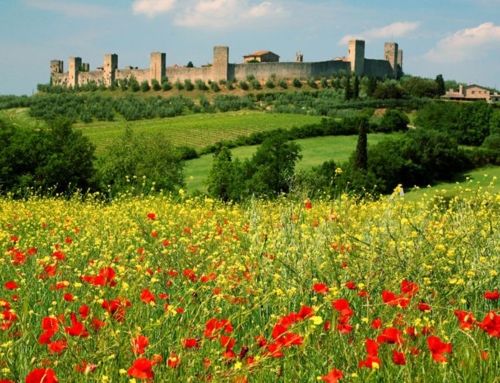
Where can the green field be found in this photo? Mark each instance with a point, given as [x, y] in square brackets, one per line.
[195, 130]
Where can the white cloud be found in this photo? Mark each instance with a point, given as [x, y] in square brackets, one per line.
[224, 13]
[152, 8]
[466, 45]
[76, 10]
[391, 31]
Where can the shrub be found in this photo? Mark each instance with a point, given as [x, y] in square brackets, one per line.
[244, 85]
[297, 83]
[188, 85]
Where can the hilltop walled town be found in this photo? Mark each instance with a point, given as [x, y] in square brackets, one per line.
[262, 65]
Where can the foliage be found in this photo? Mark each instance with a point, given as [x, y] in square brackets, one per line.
[468, 123]
[420, 87]
[152, 161]
[421, 158]
[393, 120]
[297, 83]
[57, 158]
[268, 173]
[225, 179]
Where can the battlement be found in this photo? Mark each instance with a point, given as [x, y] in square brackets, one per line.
[79, 73]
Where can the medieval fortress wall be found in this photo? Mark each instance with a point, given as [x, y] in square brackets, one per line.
[391, 66]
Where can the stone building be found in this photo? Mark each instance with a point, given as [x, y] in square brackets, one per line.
[79, 73]
[472, 93]
[262, 57]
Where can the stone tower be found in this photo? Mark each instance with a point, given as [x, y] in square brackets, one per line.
[357, 56]
[221, 63]
[158, 66]
[391, 55]
[400, 62]
[299, 57]
[75, 64]
[110, 66]
[56, 66]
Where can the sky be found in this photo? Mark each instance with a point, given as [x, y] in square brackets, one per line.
[459, 39]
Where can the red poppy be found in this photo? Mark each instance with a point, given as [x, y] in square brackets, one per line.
[491, 324]
[342, 306]
[84, 311]
[68, 297]
[377, 323]
[274, 351]
[333, 376]
[321, 288]
[308, 205]
[57, 346]
[11, 285]
[398, 357]
[422, 306]
[392, 300]
[351, 285]
[141, 369]
[207, 278]
[42, 375]
[492, 295]
[344, 328]
[77, 328]
[370, 362]
[371, 347]
[213, 326]
[139, 344]
[59, 255]
[409, 288]
[438, 348]
[173, 360]
[147, 296]
[152, 216]
[190, 343]
[466, 319]
[116, 308]
[390, 335]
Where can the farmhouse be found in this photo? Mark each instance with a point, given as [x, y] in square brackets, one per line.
[472, 93]
[262, 57]
[266, 65]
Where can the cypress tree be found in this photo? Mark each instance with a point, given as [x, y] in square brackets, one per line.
[361, 159]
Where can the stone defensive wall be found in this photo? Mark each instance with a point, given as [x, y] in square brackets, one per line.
[221, 69]
[288, 70]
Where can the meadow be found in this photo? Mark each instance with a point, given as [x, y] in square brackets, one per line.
[169, 288]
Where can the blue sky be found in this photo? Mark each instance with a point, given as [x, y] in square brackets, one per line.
[459, 39]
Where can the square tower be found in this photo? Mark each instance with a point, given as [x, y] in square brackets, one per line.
[110, 67]
[220, 69]
[357, 56]
[158, 66]
[391, 55]
[75, 64]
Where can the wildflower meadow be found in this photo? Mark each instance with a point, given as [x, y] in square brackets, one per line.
[177, 289]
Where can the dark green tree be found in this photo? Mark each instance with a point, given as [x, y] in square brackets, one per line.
[224, 181]
[190, 64]
[440, 87]
[361, 157]
[270, 170]
[355, 87]
[347, 89]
